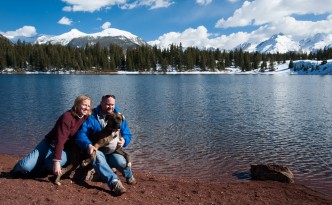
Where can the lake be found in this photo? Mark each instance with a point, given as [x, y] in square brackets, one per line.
[206, 127]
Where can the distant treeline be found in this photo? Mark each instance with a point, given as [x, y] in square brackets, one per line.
[32, 57]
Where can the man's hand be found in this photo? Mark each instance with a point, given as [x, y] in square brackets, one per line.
[57, 168]
[91, 148]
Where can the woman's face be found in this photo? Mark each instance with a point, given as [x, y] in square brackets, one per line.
[84, 107]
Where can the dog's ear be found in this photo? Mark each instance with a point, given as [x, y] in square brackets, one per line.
[121, 116]
[118, 118]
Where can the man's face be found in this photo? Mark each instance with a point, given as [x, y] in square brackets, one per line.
[107, 105]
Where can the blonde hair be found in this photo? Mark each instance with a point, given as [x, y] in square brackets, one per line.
[78, 101]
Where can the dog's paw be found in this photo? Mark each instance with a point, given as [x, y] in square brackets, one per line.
[129, 164]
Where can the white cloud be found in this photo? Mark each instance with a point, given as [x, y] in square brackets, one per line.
[298, 29]
[190, 37]
[279, 16]
[152, 4]
[200, 38]
[67, 9]
[203, 2]
[91, 6]
[260, 12]
[106, 25]
[206, 2]
[65, 21]
[329, 17]
[26, 31]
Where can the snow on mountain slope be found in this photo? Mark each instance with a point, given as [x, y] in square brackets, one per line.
[278, 43]
[79, 36]
[62, 39]
[318, 41]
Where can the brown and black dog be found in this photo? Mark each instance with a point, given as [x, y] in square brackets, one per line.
[101, 140]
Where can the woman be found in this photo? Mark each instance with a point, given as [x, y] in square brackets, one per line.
[49, 153]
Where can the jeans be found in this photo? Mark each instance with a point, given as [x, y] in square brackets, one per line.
[39, 160]
[103, 165]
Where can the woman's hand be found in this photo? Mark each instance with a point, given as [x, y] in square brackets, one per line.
[57, 168]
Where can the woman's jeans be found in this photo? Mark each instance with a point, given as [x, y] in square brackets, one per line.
[103, 165]
[39, 160]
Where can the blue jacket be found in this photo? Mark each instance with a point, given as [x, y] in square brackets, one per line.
[92, 126]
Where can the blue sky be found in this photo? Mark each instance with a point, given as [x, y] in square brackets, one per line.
[225, 23]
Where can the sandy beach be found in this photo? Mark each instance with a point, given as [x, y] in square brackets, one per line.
[150, 189]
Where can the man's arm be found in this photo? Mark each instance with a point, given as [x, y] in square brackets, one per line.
[86, 130]
[125, 132]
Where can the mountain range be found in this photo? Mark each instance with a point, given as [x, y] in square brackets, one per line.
[283, 44]
[276, 43]
[79, 39]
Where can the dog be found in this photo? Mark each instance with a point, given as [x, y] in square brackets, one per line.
[101, 140]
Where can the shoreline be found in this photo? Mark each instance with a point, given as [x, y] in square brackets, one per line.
[152, 189]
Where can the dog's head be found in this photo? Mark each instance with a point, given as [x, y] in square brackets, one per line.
[114, 121]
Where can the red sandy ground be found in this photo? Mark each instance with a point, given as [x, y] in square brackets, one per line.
[151, 190]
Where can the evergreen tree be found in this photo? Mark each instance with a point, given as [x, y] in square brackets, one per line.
[263, 66]
[246, 62]
[291, 64]
[256, 60]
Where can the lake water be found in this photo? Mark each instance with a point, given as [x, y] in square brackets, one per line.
[207, 127]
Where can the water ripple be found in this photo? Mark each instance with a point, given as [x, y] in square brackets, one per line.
[208, 127]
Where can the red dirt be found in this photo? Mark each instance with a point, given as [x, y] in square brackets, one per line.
[151, 190]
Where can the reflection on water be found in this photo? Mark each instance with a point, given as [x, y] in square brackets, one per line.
[208, 127]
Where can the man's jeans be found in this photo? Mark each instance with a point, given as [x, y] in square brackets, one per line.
[103, 165]
[39, 160]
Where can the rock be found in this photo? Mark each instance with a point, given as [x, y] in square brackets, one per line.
[273, 172]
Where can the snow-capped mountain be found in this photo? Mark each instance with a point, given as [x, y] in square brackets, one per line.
[250, 47]
[276, 43]
[112, 32]
[62, 39]
[79, 39]
[283, 44]
[105, 38]
[108, 36]
[317, 42]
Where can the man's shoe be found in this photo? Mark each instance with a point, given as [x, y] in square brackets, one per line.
[118, 189]
[131, 180]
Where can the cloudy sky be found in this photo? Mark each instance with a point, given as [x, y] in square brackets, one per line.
[202, 23]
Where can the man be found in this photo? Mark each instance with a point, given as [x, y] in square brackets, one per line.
[103, 163]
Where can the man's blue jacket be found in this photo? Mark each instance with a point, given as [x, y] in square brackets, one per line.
[92, 126]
